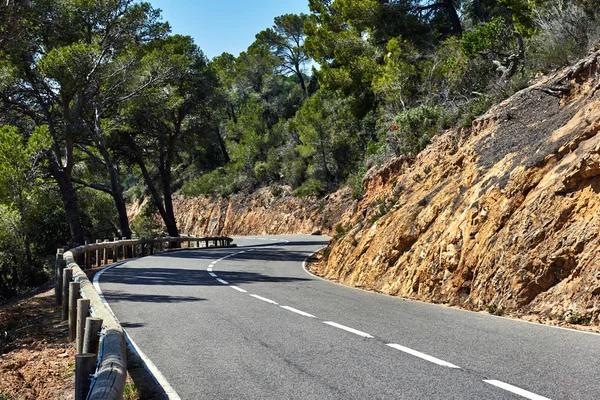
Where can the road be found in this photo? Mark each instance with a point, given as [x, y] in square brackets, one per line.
[251, 323]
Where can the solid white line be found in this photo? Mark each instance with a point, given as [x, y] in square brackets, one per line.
[212, 274]
[422, 355]
[264, 299]
[222, 281]
[148, 364]
[348, 329]
[298, 311]
[239, 289]
[516, 390]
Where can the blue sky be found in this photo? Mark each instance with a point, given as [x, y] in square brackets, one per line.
[224, 26]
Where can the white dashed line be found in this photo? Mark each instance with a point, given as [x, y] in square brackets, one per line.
[222, 281]
[422, 355]
[516, 390]
[298, 311]
[212, 274]
[239, 289]
[348, 329]
[264, 299]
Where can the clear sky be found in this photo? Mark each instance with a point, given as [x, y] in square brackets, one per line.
[219, 26]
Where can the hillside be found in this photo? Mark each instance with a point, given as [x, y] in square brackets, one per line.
[500, 216]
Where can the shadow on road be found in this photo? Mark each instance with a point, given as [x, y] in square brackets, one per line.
[116, 296]
[177, 277]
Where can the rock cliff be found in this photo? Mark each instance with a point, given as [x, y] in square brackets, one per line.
[503, 215]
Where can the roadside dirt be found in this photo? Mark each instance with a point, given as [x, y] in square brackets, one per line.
[36, 360]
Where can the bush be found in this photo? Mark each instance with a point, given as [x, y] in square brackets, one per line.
[311, 187]
[413, 129]
[566, 34]
[355, 181]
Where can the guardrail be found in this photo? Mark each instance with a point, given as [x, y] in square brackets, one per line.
[100, 362]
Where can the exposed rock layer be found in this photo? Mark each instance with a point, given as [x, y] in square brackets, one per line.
[504, 214]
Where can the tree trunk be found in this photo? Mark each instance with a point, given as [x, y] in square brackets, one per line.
[69, 198]
[454, 18]
[169, 222]
[166, 180]
[302, 83]
[223, 147]
[117, 194]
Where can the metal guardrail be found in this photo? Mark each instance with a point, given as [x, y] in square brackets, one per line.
[107, 380]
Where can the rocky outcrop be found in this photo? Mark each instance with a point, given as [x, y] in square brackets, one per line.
[504, 215]
[263, 213]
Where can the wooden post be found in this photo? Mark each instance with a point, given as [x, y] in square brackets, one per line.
[67, 278]
[85, 366]
[73, 297]
[115, 251]
[98, 255]
[106, 253]
[83, 311]
[124, 249]
[86, 257]
[151, 248]
[60, 265]
[91, 338]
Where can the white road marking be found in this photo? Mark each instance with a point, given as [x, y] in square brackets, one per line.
[516, 390]
[239, 289]
[348, 329]
[298, 311]
[422, 355]
[264, 299]
[212, 274]
[222, 281]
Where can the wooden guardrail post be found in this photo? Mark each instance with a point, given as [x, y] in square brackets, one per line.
[86, 257]
[60, 266]
[67, 278]
[85, 366]
[124, 250]
[105, 255]
[83, 311]
[91, 338]
[98, 255]
[73, 297]
[115, 250]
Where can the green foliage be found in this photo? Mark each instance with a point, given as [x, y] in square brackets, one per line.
[484, 37]
[355, 181]
[310, 188]
[145, 224]
[413, 129]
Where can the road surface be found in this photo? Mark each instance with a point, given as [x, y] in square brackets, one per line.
[251, 323]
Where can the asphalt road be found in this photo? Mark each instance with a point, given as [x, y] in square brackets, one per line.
[251, 323]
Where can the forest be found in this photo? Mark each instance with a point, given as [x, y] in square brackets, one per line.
[102, 106]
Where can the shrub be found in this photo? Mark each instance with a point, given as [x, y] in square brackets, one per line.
[413, 129]
[311, 187]
[566, 34]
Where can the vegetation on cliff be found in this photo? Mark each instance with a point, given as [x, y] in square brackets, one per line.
[100, 105]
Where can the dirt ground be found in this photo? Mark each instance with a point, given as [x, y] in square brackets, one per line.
[38, 362]
[36, 359]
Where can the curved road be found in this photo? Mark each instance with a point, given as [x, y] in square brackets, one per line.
[251, 323]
